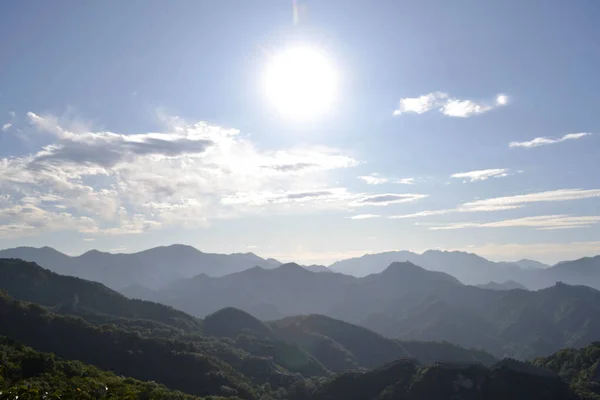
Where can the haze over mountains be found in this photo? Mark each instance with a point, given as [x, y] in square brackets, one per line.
[149, 268]
[317, 323]
[154, 268]
[404, 301]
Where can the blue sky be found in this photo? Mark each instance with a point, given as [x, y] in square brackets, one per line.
[126, 125]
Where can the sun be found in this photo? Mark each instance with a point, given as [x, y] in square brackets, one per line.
[300, 82]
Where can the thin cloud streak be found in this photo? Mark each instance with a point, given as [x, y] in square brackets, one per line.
[481, 175]
[508, 202]
[542, 222]
[373, 179]
[387, 199]
[544, 141]
[365, 216]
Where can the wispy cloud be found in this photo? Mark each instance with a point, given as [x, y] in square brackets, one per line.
[544, 141]
[365, 216]
[186, 175]
[481, 175]
[421, 104]
[539, 197]
[387, 199]
[543, 222]
[282, 197]
[508, 202]
[447, 105]
[373, 179]
[426, 213]
[376, 179]
[406, 181]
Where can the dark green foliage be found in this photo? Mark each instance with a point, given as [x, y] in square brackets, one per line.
[327, 338]
[405, 380]
[258, 339]
[342, 346]
[581, 367]
[175, 364]
[231, 322]
[432, 352]
[30, 375]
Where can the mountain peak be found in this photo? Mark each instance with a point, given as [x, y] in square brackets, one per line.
[404, 267]
[93, 252]
[291, 267]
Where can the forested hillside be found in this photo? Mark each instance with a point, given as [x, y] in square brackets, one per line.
[234, 355]
[28, 374]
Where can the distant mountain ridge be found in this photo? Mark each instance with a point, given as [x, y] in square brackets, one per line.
[153, 268]
[316, 340]
[407, 302]
[508, 285]
[232, 354]
[150, 268]
[472, 269]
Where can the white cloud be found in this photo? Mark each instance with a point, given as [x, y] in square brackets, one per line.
[508, 202]
[190, 173]
[548, 196]
[376, 179]
[406, 181]
[542, 222]
[463, 108]
[502, 100]
[386, 199]
[6, 126]
[421, 104]
[264, 198]
[373, 179]
[481, 175]
[448, 106]
[426, 213]
[543, 141]
[365, 216]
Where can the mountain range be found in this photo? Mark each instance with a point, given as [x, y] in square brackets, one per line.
[405, 301]
[231, 354]
[149, 268]
[156, 267]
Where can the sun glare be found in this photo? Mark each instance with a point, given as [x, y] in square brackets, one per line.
[300, 82]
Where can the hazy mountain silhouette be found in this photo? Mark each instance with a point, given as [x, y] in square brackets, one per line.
[153, 268]
[284, 340]
[584, 271]
[70, 295]
[469, 268]
[341, 346]
[150, 268]
[317, 268]
[408, 302]
[531, 264]
[233, 354]
[472, 269]
[508, 285]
